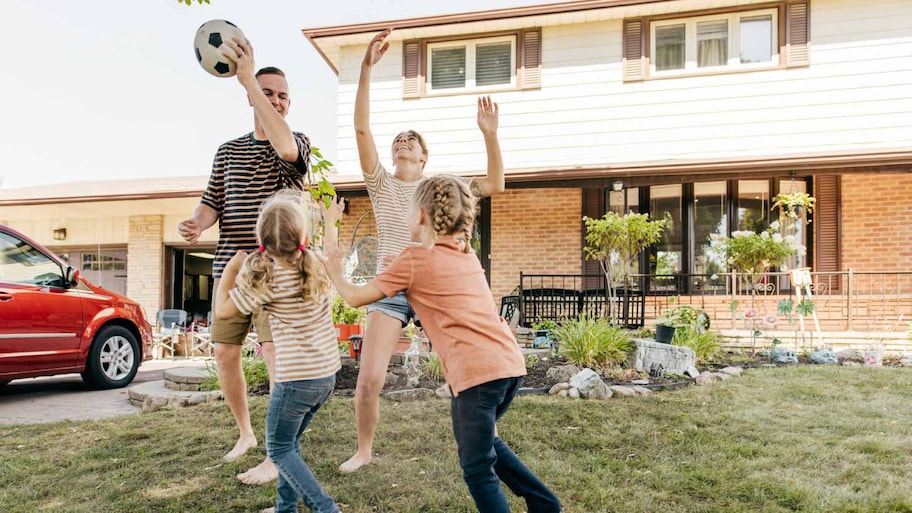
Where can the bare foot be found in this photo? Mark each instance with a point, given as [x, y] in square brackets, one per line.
[354, 463]
[261, 474]
[243, 445]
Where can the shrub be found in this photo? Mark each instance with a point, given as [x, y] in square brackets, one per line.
[255, 373]
[433, 368]
[344, 314]
[705, 344]
[592, 343]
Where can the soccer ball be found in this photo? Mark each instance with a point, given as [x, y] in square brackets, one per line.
[208, 45]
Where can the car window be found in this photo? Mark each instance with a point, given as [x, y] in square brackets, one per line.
[21, 263]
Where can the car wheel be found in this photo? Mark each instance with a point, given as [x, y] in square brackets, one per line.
[113, 359]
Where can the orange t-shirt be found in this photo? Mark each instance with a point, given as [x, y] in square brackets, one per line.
[449, 292]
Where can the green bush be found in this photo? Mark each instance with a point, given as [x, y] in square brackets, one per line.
[255, 373]
[344, 314]
[592, 343]
[433, 368]
[705, 344]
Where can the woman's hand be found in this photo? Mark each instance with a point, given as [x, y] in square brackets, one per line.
[376, 48]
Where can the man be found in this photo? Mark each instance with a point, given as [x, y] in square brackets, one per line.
[245, 172]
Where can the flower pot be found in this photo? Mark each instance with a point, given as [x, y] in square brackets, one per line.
[344, 331]
[664, 334]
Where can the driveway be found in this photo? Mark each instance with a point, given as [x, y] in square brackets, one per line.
[66, 397]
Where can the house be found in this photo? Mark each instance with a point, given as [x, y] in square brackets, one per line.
[698, 111]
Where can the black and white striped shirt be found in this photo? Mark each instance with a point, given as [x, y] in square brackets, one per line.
[245, 172]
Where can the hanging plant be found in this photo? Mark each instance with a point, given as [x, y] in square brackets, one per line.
[790, 203]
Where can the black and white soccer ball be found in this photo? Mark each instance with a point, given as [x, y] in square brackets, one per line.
[208, 45]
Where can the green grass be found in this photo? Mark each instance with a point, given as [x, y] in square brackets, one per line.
[810, 439]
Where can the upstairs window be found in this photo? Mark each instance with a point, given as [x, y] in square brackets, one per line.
[477, 64]
[504, 61]
[705, 42]
[714, 43]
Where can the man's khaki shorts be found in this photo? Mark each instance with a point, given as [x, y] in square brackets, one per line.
[234, 330]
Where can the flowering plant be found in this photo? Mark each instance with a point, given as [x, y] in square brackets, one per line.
[753, 253]
[789, 202]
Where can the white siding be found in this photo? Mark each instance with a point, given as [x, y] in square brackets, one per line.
[856, 96]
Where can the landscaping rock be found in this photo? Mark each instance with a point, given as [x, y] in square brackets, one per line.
[573, 393]
[558, 387]
[642, 390]
[850, 355]
[783, 355]
[708, 378]
[692, 372]
[600, 391]
[732, 371]
[444, 392]
[823, 357]
[562, 373]
[650, 354]
[623, 391]
[585, 380]
[850, 364]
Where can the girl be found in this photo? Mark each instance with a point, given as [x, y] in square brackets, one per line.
[390, 192]
[445, 283]
[284, 279]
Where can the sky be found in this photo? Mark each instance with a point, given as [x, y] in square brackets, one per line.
[110, 89]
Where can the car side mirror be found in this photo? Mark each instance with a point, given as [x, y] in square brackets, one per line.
[71, 278]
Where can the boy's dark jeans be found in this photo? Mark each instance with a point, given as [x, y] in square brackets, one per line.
[485, 459]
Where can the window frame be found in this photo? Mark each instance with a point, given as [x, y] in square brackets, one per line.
[471, 64]
[733, 64]
[525, 57]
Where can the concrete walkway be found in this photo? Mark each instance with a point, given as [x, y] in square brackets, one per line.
[66, 397]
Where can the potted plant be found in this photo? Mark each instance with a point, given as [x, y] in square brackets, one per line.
[615, 241]
[791, 203]
[752, 254]
[347, 319]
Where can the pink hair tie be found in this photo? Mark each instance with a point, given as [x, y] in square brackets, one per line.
[301, 247]
[261, 249]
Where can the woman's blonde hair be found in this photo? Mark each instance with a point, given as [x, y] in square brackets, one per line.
[280, 229]
[449, 206]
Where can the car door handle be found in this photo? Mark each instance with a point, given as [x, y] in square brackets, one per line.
[6, 297]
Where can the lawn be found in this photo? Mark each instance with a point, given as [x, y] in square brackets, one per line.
[827, 439]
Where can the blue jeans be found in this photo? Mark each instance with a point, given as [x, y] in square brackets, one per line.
[292, 405]
[485, 459]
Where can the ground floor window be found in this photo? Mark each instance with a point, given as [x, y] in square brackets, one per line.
[684, 261]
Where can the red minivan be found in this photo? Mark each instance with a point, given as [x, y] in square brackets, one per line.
[53, 321]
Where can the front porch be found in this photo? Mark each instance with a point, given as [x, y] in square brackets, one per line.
[853, 309]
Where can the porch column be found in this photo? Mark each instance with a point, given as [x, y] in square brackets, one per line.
[144, 262]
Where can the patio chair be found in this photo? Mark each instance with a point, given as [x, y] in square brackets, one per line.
[169, 328]
[200, 338]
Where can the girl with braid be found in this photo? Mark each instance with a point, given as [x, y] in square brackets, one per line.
[282, 277]
[444, 281]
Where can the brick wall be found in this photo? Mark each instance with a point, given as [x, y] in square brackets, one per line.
[144, 262]
[876, 222]
[534, 231]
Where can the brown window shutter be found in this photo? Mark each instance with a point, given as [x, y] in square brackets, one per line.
[593, 206]
[797, 41]
[531, 58]
[411, 69]
[634, 54]
[826, 227]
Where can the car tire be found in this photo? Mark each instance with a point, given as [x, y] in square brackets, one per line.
[113, 359]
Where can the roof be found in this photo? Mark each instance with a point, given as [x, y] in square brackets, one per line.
[886, 161]
[328, 40]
